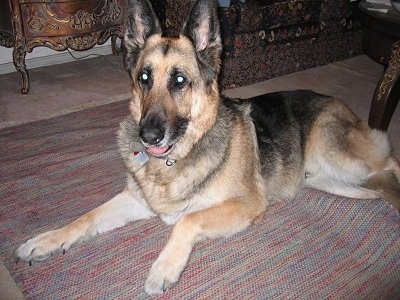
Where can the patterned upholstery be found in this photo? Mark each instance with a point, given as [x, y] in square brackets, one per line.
[264, 39]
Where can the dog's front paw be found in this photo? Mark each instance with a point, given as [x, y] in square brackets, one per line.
[163, 275]
[41, 246]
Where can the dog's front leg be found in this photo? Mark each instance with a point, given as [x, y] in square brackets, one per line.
[223, 220]
[115, 213]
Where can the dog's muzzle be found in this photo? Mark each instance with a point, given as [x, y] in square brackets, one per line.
[152, 129]
[152, 132]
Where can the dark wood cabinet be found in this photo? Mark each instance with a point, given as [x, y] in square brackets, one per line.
[381, 42]
[59, 25]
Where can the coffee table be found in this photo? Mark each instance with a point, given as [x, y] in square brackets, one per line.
[381, 42]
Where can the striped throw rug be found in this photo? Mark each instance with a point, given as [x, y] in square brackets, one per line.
[317, 246]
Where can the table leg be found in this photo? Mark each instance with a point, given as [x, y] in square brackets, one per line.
[387, 93]
[19, 54]
[115, 49]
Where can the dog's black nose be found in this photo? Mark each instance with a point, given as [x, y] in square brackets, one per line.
[152, 129]
[152, 135]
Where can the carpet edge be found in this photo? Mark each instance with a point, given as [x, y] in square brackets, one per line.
[56, 113]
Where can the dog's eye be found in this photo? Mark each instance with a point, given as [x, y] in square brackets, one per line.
[180, 80]
[144, 77]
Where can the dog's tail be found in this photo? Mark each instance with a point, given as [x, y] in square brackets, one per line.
[387, 184]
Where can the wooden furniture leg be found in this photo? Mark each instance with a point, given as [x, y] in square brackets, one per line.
[59, 25]
[387, 93]
[19, 54]
[115, 49]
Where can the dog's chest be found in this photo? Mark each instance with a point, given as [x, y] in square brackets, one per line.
[167, 189]
[186, 186]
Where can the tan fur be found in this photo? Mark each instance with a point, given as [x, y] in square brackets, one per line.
[342, 152]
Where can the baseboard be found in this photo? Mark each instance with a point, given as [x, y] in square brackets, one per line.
[58, 58]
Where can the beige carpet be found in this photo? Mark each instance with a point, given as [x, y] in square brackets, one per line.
[69, 87]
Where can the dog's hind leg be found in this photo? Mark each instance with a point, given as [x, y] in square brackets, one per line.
[115, 213]
[347, 158]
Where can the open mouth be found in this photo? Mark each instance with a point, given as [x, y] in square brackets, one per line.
[158, 151]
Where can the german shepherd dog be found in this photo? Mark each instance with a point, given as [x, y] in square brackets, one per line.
[211, 165]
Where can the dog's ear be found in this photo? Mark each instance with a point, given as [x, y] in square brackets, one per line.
[202, 28]
[140, 23]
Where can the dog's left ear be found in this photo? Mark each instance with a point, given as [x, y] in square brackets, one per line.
[202, 28]
[140, 23]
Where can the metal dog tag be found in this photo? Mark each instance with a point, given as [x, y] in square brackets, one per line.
[141, 157]
[139, 153]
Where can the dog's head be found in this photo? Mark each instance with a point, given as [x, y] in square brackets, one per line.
[174, 79]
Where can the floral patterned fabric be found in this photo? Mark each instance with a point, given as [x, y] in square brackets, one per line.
[263, 39]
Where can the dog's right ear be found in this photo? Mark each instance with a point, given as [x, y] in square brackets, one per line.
[140, 23]
[202, 28]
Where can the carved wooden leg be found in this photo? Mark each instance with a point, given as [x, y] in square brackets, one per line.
[19, 54]
[115, 49]
[387, 93]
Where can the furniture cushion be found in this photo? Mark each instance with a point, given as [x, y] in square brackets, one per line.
[264, 15]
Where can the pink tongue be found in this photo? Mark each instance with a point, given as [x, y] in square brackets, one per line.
[157, 150]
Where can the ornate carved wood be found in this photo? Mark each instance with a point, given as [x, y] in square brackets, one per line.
[74, 24]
